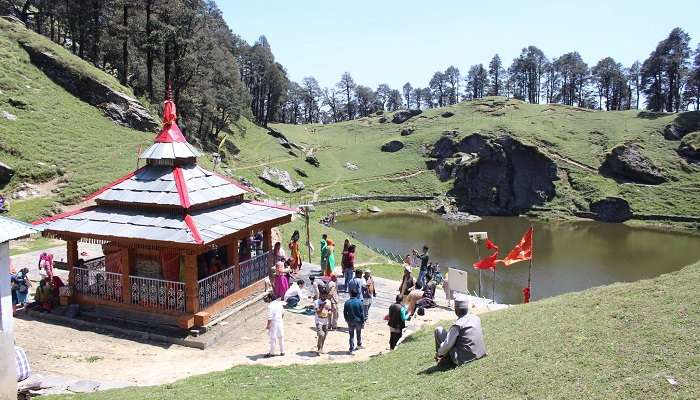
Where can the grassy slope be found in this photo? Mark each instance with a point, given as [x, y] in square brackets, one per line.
[56, 136]
[617, 341]
[583, 136]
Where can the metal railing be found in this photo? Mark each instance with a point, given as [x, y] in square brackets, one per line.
[98, 284]
[157, 293]
[97, 264]
[255, 269]
[215, 287]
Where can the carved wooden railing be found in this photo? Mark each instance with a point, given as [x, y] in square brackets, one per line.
[255, 269]
[98, 284]
[157, 293]
[217, 286]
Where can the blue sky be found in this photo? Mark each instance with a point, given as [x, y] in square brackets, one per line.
[398, 41]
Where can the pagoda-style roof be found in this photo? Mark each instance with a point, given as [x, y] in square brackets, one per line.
[170, 200]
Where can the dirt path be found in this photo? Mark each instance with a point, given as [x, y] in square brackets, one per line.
[81, 354]
[572, 162]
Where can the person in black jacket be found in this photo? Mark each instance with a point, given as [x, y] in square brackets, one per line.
[398, 315]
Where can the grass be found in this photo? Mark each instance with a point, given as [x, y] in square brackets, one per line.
[388, 271]
[18, 247]
[617, 341]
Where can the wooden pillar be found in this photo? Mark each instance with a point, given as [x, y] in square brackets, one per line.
[232, 254]
[267, 239]
[191, 289]
[71, 259]
[128, 260]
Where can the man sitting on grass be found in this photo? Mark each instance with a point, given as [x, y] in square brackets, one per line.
[464, 341]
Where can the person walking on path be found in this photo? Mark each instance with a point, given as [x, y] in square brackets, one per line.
[331, 258]
[333, 297]
[358, 283]
[295, 254]
[368, 292]
[275, 325]
[424, 258]
[348, 265]
[355, 317]
[324, 252]
[398, 315]
[322, 308]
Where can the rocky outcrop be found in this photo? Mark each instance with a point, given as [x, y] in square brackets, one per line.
[6, 173]
[281, 179]
[611, 209]
[496, 176]
[628, 163]
[407, 131]
[392, 146]
[402, 116]
[447, 114]
[313, 161]
[690, 146]
[684, 124]
[117, 106]
[443, 205]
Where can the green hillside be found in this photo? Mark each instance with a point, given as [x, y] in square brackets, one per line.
[620, 341]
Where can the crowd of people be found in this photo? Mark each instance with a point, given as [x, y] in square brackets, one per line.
[462, 342]
[46, 295]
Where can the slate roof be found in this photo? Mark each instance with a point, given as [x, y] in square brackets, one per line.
[157, 185]
[205, 226]
[11, 229]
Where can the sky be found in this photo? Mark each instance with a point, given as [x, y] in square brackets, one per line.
[395, 42]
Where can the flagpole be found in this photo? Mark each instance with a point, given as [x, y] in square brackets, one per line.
[529, 268]
[476, 245]
[493, 292]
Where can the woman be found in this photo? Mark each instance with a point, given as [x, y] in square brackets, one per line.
[281, 280]
[295, 261]
[349, 265]
[406, 281]
[324, 253]
[331, 258]
[278, 253]
[23, 285]
[14, 286]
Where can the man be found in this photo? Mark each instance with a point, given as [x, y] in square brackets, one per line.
[275, 327]
[424, 259]
[316, 285]
[355, 317]
[464, 341]
[333, 297]
[322, 308]
[357, 283]
[398, 315]
[293, 295]
[406, 281]
[368, 293]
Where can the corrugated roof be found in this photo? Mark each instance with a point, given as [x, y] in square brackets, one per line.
[212, 224]
[11, 229]
[170, 151]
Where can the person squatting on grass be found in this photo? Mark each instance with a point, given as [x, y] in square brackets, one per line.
[355, 318]
[398, 315]
[275, 325]
[464, 341]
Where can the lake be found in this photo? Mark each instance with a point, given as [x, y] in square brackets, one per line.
[568, 256]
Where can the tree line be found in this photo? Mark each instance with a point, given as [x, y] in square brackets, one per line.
[668, 80]
[217, 76]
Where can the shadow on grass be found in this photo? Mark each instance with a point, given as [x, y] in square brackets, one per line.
[436, 368]
[651, 114]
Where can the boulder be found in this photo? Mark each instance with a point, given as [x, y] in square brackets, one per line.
[443, 148]
[350, 166]
[402, 116]
[443, 205]
[6, 173]
[301, 172]
[392, 146]
[447, 114]
[611, 209]
[407, 131]
[461, 217]
[281, 179]
[500, 176]
[382, 120]
[690, 146]
[313, 161]
[119, 107]
[684, 124]
[628, 163]
[9, 116]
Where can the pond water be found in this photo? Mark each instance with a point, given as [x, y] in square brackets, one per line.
[568, 256]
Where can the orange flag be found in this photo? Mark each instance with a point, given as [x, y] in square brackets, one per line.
[522, 251]
[490, 261]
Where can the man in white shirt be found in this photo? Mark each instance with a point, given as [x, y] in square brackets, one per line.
[294, 294]
[322, 308]
[464, 341]
[275, 326]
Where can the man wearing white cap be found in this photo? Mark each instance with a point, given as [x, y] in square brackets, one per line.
[464, 341]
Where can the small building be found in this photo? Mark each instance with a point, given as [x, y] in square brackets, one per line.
[176, 237]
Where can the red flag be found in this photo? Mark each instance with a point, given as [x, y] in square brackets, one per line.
[490, 261]
[522, 251]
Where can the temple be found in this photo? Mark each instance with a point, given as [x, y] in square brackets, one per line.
[176, 238]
